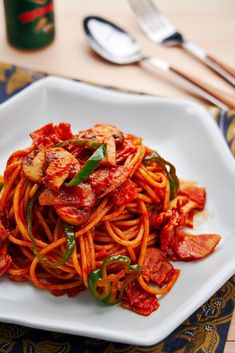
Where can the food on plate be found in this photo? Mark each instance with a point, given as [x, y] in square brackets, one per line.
[97, 210]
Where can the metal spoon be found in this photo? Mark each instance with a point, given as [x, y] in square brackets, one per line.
[117, 46]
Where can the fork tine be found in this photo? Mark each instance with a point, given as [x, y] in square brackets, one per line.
[143, 13]
[137, 8]
[145, 8]
[151, 7]
[160, 30]
[152, 15]
[155, 14]
[151, 20]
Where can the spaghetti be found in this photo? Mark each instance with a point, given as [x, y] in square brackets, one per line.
[97, 209]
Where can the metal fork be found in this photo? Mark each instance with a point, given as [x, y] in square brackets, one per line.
[160, 30]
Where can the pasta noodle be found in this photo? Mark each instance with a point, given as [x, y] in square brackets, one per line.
[129, 206]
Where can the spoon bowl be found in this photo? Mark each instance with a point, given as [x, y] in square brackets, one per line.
[110, 41]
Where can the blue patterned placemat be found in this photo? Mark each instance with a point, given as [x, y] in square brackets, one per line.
[205, 331]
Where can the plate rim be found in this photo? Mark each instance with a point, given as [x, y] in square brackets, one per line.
[147, 339]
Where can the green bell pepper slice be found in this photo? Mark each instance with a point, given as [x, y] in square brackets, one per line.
[109, 283]
[168, 168]
[83, 142]
[68, 229]
[88, 167]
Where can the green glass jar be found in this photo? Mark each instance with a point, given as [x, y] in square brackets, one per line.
[29, 23]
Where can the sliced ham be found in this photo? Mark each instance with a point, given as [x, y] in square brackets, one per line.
[194, 193]
[49, 135]
[105, 180]
[187, 247]
[72, 214]
[79, 196]
[138, 300]
[175, 222]
[156, 267]
[125, 193]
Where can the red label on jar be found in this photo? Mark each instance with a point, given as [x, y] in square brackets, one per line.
[30, 16]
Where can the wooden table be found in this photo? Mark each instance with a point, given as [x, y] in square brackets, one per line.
[209, 23]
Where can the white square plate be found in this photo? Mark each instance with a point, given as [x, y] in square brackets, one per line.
[184, 134]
